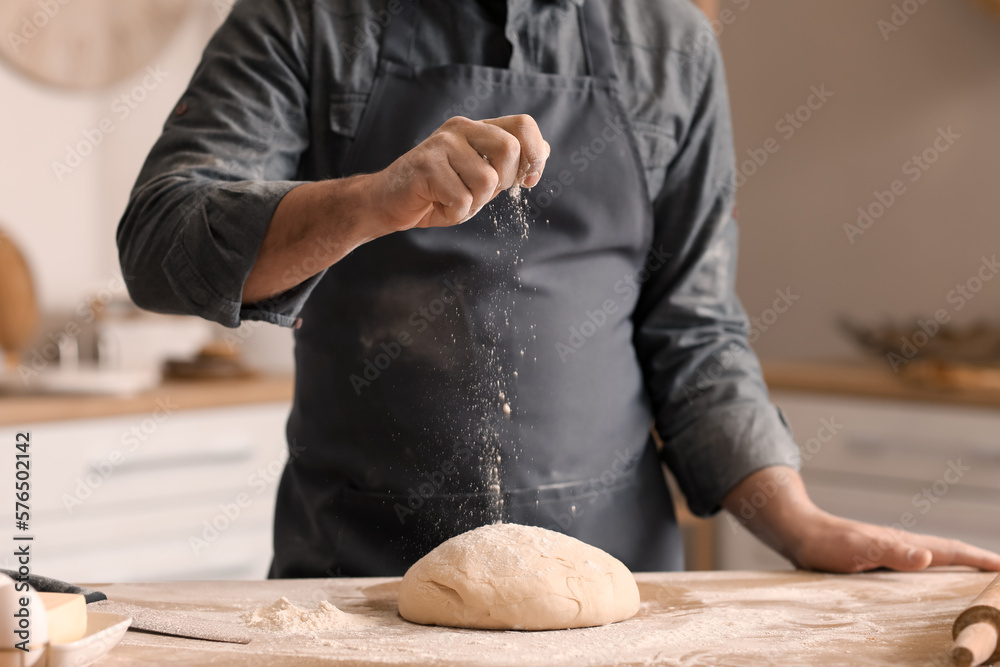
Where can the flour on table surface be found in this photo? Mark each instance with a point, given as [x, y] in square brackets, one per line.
[283, 616]
[731, 619]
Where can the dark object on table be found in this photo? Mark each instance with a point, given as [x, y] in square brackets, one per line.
[215, 361]
[935, 355]
[18, 304]
[978, 343]
[148, 619]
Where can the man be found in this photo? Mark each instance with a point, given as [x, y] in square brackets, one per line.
[465, 355]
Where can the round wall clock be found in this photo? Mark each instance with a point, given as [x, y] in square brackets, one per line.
[86, 43]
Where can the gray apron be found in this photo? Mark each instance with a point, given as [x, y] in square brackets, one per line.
[452, 377]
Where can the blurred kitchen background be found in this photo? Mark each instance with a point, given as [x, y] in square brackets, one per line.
[874, 308]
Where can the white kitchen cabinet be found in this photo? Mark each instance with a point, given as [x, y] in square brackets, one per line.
[930, 468]
[152, 497]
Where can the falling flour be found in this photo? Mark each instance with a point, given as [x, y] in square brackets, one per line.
[283, 616]
[494, 396]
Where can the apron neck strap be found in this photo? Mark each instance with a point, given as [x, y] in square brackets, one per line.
[400, 35]
[596, 37]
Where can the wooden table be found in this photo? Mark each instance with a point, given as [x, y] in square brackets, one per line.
[686, 619]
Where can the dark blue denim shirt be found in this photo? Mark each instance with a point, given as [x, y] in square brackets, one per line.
[285, 78]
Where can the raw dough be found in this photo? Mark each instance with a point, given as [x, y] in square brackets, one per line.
[511, 577]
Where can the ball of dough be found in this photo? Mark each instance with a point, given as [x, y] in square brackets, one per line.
[512, 577]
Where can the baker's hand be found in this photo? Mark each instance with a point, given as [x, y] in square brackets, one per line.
[833, 544]
[773, 504]
[451, 175]
[443, 181]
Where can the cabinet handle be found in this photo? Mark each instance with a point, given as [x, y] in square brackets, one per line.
[871, 445]
[192, 460]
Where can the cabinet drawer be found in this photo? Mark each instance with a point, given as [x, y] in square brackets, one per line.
[931, 469]
[83, 467]
[897, 441]
[128, 498]
[972, 522]
[156, 545]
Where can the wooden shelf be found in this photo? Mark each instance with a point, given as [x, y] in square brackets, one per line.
[868, 379]
[182, 395]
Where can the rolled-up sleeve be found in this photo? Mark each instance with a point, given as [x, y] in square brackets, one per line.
[228, 154]
[710, 402]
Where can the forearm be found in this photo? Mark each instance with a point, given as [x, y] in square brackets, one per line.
[443, 181]
[315, 226]
[773, 504]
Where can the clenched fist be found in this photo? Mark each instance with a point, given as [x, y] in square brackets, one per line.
[451, 175]
[443, 181]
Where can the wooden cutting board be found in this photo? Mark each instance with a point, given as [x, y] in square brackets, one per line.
[687, 619]
[18, 307]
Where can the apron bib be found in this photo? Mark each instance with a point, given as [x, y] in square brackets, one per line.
[447, 378]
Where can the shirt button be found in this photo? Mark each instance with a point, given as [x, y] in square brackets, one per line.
[181, 109]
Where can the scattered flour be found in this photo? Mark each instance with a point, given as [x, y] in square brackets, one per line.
[283, 616]
[688, 619]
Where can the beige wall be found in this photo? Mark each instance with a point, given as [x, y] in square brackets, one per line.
[66, 227]
[940, 69]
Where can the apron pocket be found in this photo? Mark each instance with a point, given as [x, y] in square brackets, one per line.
[630, 517]
[346, 110]
[384, 533]
[657, 147]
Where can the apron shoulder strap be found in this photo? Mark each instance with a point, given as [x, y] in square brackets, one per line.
[400, 34]
[596, 36]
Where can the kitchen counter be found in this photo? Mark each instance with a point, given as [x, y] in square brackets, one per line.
[871, 379]
[852, 378]
[686, 619]
[25, 411]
